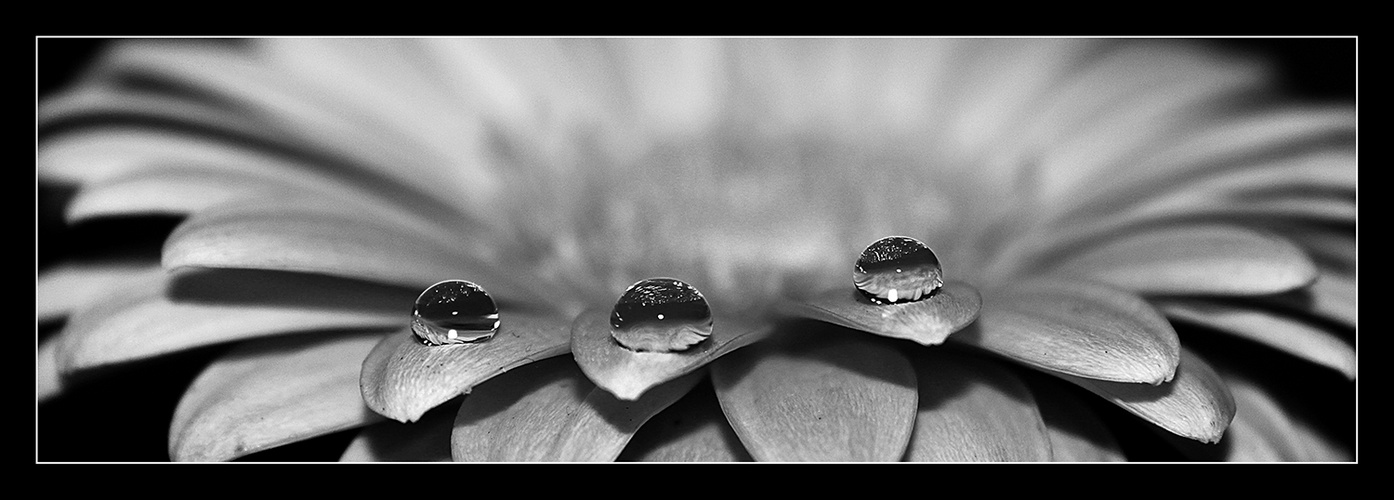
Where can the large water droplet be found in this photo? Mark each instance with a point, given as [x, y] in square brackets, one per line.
[454, 312]
[898, 269]
[661, 315]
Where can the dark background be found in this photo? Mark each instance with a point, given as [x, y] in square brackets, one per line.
[126, 420]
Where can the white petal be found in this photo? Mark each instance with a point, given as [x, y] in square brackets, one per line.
[1200, 259]
[973, 410]
[72, 286]
[402, 378]
[823, 395]
[139, 320]
[548, 411]
[1078, 328]
[1292, 335]
[271, 392]
[1196, 404]
[627, 374]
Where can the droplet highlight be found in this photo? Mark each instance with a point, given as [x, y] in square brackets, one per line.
[898, 269]
[661, 315]
[454, 312]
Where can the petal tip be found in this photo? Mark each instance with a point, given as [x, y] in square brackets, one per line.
[628, 375]
[928, 322]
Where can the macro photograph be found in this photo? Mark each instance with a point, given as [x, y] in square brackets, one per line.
[711, 249]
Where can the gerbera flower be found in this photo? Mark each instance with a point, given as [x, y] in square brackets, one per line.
[1143, 243]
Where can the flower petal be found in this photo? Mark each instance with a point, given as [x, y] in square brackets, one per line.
[627, 374]
[139, 320]
[359, 84]
[1195, 404]
[1291, 335]
[1194, 259]
[1135, 93]
[272, 392]
[1264, 431]
[1317, 186]
[549, 411]
[1334, 297]
[820, 395]
[125, 153]
[403, 378]
[261, 288]
[184, 190]
[1078, 328]
[1334, 248]
[1274, 145]
[691, 430]
[72, 286]
[338, 239]
[289, 110]
[1323, 167]
[48, 380]
[426, 440]
[1261, 207]
[94, 132]
[1077, 434]
[973, 410]
[928, 321]
[502, 113]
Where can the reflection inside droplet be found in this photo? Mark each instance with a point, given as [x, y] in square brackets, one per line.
[661, 315]
[897, 269]
[454, 312]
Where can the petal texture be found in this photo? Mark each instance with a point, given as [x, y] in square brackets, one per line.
[823, 395]
[402, 378]
[549, 411]
[271, 392]
[1194, 259]
[1195, 404]
[627, 374]
[974, 410]
[1078, 328]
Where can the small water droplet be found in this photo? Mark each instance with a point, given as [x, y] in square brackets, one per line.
[898, 269]
[454, 312]
[661, 315]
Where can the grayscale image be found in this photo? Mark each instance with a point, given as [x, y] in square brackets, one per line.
[696, 249]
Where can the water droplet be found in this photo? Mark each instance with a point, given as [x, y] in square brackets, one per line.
[661, 315]
[454, 312]
[898, 269]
